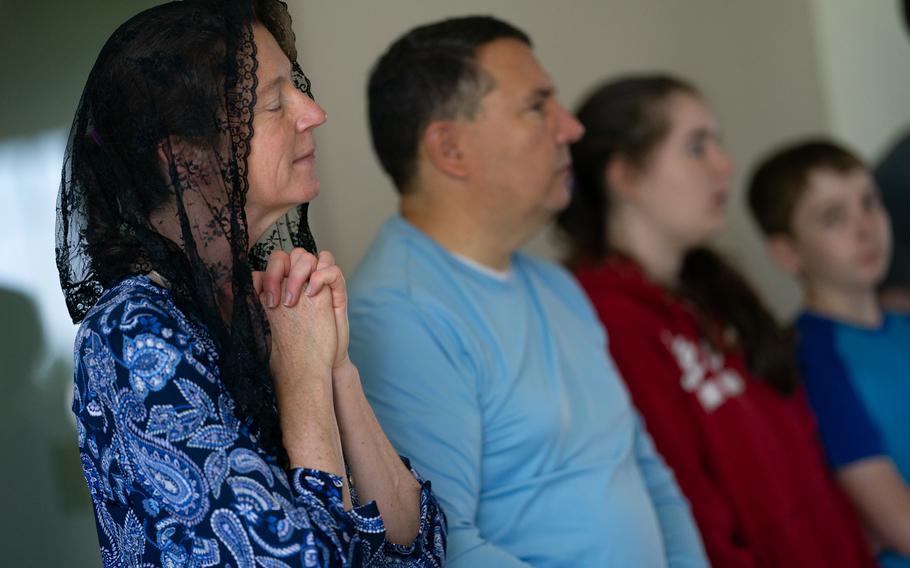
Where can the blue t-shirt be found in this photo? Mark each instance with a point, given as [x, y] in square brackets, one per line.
[858, 382]
[500, 388]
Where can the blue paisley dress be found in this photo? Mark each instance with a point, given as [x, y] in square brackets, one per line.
[177, 480]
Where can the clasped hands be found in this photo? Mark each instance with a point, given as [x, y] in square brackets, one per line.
[305, 300]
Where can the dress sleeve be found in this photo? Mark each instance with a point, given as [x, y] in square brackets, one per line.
[177, 479]
[428, 548]
[647, 365]
[424, 393]
[847, 430]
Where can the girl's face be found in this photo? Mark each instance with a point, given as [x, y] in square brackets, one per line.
[683, 187]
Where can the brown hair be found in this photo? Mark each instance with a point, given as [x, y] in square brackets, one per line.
[781, 179]
[627, 118]
[624, 118]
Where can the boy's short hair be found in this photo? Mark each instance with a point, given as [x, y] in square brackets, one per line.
[780, 180]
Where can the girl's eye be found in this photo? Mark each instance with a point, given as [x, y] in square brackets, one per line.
[697, 149]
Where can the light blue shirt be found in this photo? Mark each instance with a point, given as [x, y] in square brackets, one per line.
[501, 391]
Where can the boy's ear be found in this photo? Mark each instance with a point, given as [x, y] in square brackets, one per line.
[783, 252]
[442, 146]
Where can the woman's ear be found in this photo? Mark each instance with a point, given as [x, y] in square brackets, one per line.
[620, 177]
[442, 146]
[177, 150]
[784, 254]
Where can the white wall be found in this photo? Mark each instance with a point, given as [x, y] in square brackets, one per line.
[756, 61]
[774, 69]
[865, 68]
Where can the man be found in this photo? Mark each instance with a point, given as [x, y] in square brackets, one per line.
[484, 364]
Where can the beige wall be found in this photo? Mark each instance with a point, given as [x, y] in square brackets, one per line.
[756, 61]
[865, 70]
[774, 69]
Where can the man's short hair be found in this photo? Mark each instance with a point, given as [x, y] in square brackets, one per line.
[430, 73]
[781, 179]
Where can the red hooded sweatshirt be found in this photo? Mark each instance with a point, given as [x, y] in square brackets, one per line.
[746, 457]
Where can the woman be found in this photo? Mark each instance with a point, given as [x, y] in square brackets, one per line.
[705, 363]
[216, 419]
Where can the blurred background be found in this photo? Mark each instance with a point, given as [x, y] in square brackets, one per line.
[774, 70]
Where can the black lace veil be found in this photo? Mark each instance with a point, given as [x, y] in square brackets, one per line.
[155, 180]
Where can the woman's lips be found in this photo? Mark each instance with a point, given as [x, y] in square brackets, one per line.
[307, 158]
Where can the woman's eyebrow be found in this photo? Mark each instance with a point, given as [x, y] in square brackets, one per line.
[275, 82]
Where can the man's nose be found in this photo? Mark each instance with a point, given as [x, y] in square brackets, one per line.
[570, 130]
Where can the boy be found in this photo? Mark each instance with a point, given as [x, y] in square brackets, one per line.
[821, 214]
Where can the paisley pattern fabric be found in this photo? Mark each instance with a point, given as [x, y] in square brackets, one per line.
[177, 480]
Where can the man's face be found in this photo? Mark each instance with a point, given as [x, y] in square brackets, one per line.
[841, 233]
[516, 147]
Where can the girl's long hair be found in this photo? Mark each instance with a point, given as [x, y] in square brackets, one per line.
[627, 119]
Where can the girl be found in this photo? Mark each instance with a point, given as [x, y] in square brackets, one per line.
[707, 367]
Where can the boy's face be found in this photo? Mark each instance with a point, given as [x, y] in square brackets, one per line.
[841, 234]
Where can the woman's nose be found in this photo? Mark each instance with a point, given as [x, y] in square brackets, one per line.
[311, 114]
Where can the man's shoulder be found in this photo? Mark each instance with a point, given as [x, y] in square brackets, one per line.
[409, 282]
[552, 275]
[544, 268]
[401, 264]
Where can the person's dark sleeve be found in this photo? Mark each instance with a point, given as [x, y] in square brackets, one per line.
[847, 430]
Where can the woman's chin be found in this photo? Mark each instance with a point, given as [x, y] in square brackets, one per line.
[306, 191]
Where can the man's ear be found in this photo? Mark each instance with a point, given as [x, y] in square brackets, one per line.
[784, 254]
[442, 144]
